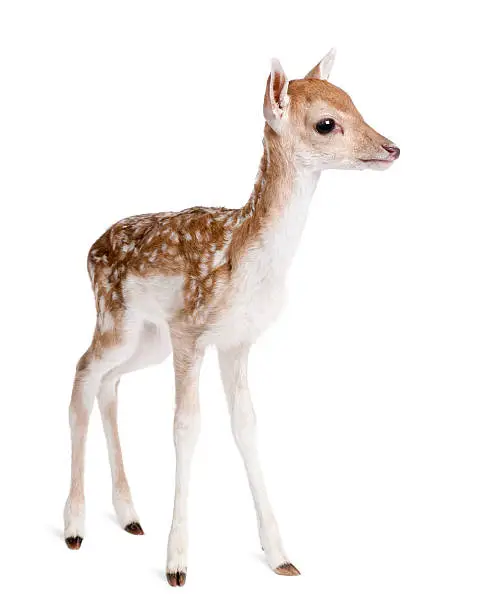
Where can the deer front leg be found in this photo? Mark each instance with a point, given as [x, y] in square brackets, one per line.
[187, 361]
[233, 368]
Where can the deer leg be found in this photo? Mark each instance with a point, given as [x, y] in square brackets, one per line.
[233, 368]
[187, 362]
[93, 365]
[154, 347]
[121, 493]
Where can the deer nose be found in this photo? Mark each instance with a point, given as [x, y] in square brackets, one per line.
[392, 150]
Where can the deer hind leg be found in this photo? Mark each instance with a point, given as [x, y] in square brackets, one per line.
[233, 368]
[107, 351]
[154, 347]
[187, 362]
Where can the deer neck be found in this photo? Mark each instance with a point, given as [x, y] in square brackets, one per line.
[275, 215]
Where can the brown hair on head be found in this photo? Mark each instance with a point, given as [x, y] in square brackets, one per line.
[304, 92]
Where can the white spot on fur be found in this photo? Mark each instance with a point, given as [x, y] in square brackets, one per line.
[107, 322]
[219, 258]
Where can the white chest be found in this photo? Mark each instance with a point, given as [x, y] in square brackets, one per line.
[254, 303]
[258, 288]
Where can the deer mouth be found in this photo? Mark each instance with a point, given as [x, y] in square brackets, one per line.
[377, 161]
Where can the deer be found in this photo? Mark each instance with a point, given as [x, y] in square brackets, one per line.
[179, 282]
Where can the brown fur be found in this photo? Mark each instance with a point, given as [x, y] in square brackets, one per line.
[206, 245]
[303, 92]
[186, 243]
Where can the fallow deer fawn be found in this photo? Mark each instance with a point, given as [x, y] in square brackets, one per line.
[182, 281]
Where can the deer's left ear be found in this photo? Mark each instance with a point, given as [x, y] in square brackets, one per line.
[276, 97]
[323, 69]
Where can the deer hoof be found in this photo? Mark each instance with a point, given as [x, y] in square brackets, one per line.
[134, 528]
[73, 543]
[287, 569]
[176, 578]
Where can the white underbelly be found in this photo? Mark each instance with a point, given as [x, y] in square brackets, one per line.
[250, 307]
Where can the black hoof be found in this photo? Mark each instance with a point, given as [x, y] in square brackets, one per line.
[134, 528]
[176, 578]
[287, 569]
[74, 543]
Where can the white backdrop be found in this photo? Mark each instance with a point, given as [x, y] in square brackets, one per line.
[378, 392]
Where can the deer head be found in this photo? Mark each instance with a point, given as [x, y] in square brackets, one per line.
[318, 123]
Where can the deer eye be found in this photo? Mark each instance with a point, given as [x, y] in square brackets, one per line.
[325, 126]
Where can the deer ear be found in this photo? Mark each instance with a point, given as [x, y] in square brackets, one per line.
[323, 69]
[276, 97]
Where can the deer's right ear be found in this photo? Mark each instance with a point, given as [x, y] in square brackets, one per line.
[276, 96]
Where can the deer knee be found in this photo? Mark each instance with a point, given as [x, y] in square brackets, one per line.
[186, 427]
